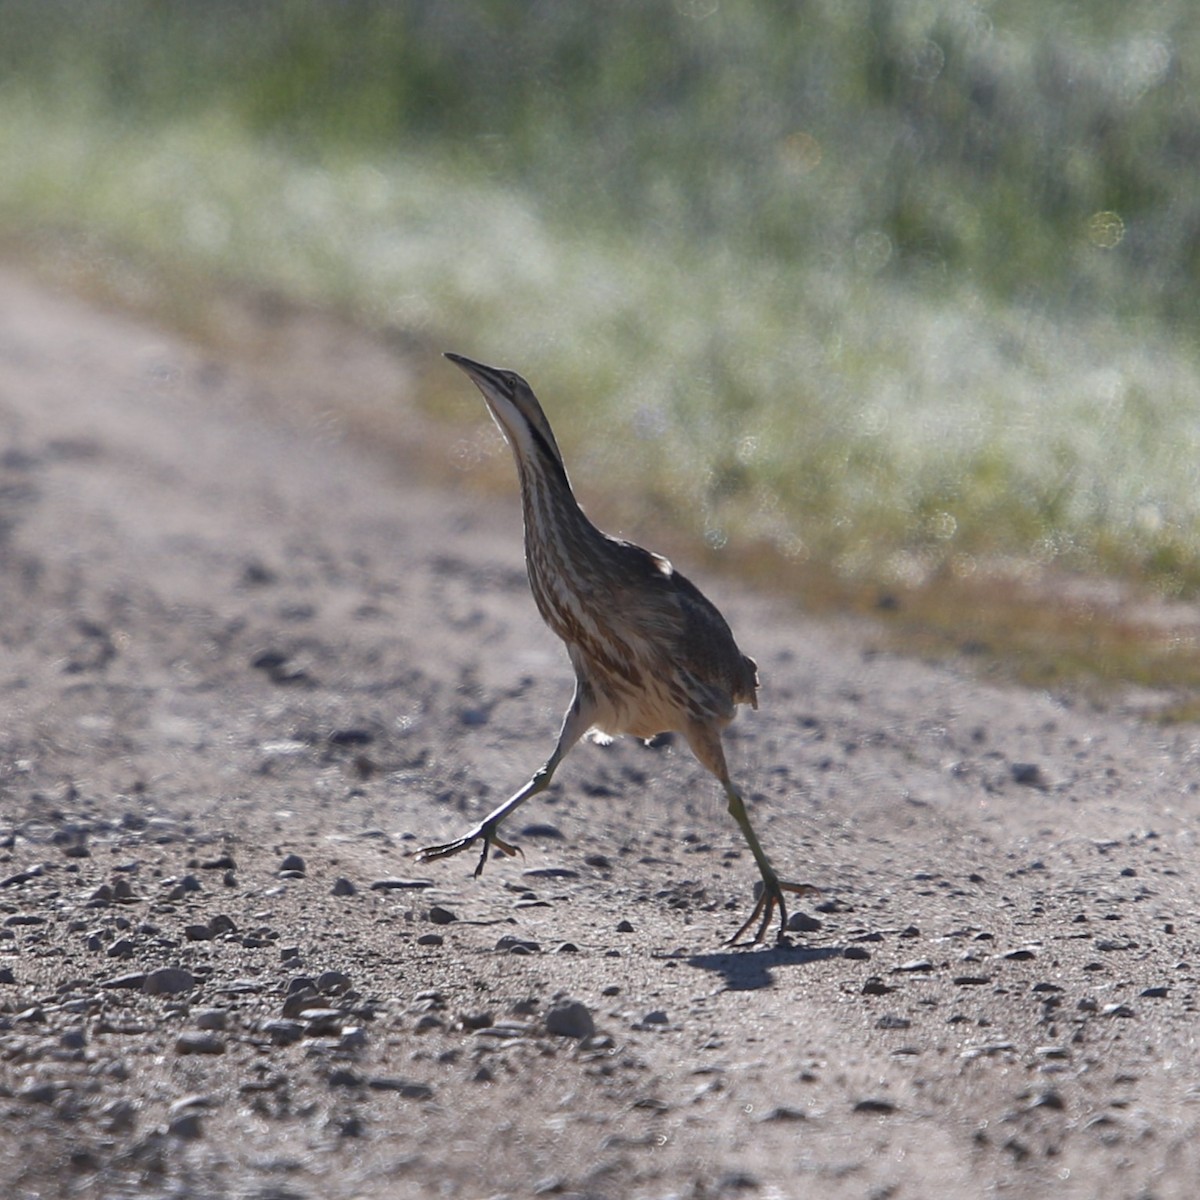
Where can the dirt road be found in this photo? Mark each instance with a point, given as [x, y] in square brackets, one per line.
[246, 667]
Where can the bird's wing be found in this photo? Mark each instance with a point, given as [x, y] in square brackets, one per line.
[682, 628]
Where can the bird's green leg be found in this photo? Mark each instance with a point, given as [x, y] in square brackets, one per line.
[771, 896]
[705, 741]
[577, 721]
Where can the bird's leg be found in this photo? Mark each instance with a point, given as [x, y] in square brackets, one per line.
[705, 742]
[485, 831]
[577, 721]
[771, 896]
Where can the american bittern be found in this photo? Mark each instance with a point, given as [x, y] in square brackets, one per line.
[651, 653]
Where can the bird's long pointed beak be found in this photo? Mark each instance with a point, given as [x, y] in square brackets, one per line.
[481, 373]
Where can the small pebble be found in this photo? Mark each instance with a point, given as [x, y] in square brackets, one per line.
[624, 926]
[542, 830]
[168, 981]
[570, 1018]
[40, 1091]
[783, 1113]
[874, 986]
[800, 922]
[23, 918]
[135, 979]
[293, 864]
[199, 1042]
[323, 1022]
[296, 1002]
[343, 887]
[333, 982]
[737, 1181]
[1029, 775]
[1052, 1052]
[442, 916]
[188, 1126]
[118, 1116]
[354, 1037]
[283, 1033]
[430, 939]
[404, 1088]
[211, 1018]
[512, 943]
[351, 737]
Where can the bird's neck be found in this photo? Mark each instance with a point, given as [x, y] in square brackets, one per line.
[551, 511]
[566, 556]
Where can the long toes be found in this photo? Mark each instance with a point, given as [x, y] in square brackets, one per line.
[506, 847]
[800, 889]
[763, 903]
[430, 853]
[775, 902]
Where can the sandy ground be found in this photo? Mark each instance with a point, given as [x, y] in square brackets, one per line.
[229, 636]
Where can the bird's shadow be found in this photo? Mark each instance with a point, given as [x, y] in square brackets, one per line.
[748, 970]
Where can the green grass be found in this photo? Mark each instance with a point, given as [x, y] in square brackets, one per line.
[893, 293]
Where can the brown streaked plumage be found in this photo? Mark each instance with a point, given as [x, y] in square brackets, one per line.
[651, 653]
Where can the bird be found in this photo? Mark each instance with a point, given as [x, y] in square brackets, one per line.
[651, 653]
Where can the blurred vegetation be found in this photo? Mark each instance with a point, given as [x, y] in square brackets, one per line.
[975, 138]
[894, 288]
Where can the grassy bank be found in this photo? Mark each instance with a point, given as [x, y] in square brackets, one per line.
[901, 293]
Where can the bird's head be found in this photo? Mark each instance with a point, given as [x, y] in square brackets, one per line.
[516, 410]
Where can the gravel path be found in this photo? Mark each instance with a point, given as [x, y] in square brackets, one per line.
[248, 666]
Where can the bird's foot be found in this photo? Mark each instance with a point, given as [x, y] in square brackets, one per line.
[770, 897]
[485, 833]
